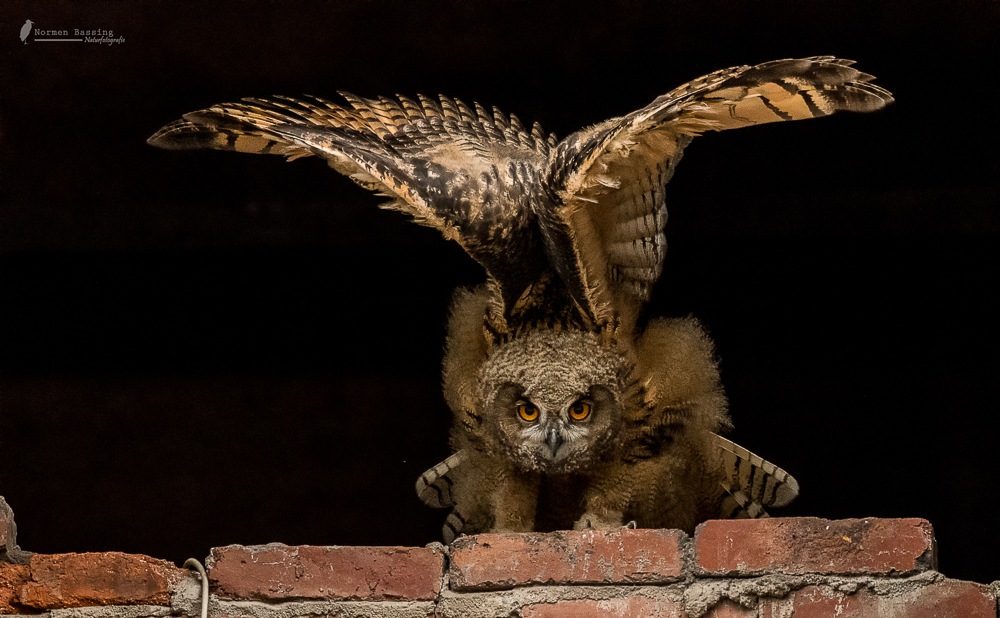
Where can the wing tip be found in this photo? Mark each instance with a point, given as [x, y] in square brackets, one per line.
[786, 492]
[181, 135]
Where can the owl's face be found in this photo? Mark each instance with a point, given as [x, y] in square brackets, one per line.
[553, 400]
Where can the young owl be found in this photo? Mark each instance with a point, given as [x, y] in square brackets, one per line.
[570, 410]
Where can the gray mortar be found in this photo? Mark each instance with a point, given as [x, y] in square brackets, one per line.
[510, 602]
[703, 594]
[185, 596]
[341, 609]
[112, 611]
[108, 611]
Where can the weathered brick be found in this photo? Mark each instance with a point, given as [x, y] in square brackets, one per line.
[9, 551]
[611, 608]
[12, 578]
[110, 578]
[944, 599]
[802, 545]
[502, 561]
[279, 572]
[6, 526]
[730, 609]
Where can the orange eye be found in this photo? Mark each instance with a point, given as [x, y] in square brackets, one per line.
[527, 411]
[579, 410]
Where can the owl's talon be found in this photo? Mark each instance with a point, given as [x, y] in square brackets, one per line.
[632, 525]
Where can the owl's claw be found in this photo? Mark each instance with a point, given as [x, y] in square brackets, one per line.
[632, 525]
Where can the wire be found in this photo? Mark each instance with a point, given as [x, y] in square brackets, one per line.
[191, 563]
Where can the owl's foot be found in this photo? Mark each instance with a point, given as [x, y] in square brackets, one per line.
[632, 525]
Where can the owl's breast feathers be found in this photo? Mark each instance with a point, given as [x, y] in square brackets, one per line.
[589, 209]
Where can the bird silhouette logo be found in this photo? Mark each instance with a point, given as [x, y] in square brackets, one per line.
[25, 31]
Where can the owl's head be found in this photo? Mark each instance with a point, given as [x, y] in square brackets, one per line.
[553, 399]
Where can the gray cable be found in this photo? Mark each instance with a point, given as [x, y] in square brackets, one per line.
[191, 563]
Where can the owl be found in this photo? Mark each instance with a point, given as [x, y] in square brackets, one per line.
[572, 408]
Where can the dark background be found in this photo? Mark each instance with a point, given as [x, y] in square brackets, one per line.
[207, 348]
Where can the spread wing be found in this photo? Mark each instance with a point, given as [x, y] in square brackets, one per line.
[603, 230]
[434, 490]
[752, 483]
[469, 173]
[434, 485]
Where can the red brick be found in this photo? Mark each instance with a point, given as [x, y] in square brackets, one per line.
[111, 578]
[730, 609]
[12, 578]
[810, 545]
[942, 600]
[275, 572]
[501, 561]
[611, 608]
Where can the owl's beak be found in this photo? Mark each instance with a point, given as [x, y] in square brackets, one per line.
[554, 440]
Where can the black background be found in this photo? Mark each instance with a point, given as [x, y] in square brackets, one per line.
[207, 348]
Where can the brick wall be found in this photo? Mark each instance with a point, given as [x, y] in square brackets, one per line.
[795, 567]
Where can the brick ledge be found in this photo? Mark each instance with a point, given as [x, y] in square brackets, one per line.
[788, 567]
